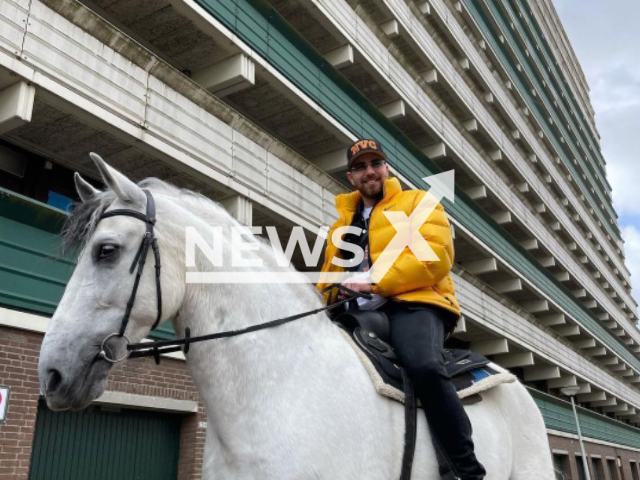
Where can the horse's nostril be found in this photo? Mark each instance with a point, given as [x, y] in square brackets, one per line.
[54, 380]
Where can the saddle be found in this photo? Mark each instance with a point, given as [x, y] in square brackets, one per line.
[368, 330]
[368, 333]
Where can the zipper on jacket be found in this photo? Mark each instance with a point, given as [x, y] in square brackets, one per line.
[367, 222]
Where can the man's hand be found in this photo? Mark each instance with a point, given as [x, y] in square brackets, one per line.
[357, 284]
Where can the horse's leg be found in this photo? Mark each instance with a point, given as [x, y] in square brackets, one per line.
[531, 457]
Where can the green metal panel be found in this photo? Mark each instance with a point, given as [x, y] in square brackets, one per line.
[33, 270]
[33, 273]
[567, 150]
[100, 445]
[558, 415]
[349, 107]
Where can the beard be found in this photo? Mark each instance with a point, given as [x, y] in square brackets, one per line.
[372, 186]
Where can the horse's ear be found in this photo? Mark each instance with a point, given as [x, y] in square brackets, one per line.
[125, 189]
[85, 190]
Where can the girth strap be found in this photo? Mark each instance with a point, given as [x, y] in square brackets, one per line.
[410, 426]
[445, 466]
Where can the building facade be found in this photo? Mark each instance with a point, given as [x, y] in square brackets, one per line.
[252, 103]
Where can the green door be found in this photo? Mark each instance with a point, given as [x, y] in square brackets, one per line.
[105, 445]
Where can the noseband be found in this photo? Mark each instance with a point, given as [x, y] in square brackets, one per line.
[148, 240]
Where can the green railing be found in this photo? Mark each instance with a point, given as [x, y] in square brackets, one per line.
[527, 64]
[519, 80]
[266, 32]
[550, 78]
[558, 415]
[33, 269]
[563, 84]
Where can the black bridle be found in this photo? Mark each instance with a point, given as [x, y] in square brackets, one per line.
[148, 240]
[155, 349]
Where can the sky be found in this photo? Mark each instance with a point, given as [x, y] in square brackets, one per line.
[605, 35]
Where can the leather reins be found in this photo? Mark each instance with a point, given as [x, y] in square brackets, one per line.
[155, 349]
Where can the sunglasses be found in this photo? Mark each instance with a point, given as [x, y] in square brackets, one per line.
[375, 164]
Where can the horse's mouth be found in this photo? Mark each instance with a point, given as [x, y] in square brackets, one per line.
[86, 387]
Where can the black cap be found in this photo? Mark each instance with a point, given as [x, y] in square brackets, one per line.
[364, 146]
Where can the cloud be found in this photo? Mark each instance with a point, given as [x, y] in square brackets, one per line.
[605, 38]
[620, 130]
[616, 89]
[631, 235]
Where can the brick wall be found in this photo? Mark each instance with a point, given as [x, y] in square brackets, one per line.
[19, 372]
[19, 352]
[603, 457]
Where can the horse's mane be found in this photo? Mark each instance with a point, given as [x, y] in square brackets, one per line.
[85, 216]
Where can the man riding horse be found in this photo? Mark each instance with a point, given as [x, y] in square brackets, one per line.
[418, 297]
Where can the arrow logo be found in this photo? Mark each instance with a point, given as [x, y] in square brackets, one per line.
[408, 227]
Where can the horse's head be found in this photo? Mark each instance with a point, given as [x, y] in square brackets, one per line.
[72, 372]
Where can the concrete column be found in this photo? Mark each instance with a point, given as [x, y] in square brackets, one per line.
[502, 218]
[228, 76]
[535, 306]
[595, 352]
[591, 397]
[476, 193]
[471, 125]
[16, 106]
[585, 343]
[609, 402]
[391, 28]
[435, 151]
[430, 76]
[464, 63]
[542, 372]
[530, 244]
[568, 330]
[393, 110]
[480, 266]
[553, 319]
[240, 208]
[340, 57]
[563, 381]
[491, 347]
[506, 286]
[495, 155]
[512, 360]
[425, 8]
[333, 161]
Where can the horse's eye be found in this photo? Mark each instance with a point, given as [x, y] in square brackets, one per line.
[106, 250]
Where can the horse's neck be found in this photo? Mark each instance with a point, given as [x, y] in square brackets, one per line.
[248, 380]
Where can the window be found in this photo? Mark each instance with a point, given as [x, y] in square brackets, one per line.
[561, 466]
[634, 471]
[597, 468]
[611, 467]
[580, 468]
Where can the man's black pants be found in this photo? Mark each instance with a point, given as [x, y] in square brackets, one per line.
[418, 332]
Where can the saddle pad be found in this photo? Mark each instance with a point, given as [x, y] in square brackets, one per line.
[378, 359]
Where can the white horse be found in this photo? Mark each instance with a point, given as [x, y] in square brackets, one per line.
[292, 402]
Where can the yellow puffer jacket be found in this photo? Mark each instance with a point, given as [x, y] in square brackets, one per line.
[409, 279]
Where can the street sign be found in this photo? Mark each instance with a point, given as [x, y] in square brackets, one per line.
[4, 403]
